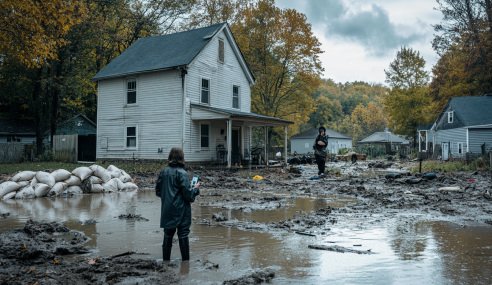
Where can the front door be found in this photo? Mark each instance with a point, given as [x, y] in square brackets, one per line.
[445, 151]
[236, 151]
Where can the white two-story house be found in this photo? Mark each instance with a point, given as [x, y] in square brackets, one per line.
[189, 89]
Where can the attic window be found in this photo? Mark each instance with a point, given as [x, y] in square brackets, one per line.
[221, 50]
[450, 117]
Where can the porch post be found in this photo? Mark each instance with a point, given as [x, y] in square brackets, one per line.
[426, 141]
[229, 143]
[266, 143]
[285, 144]
[418, 139]
[250, 144]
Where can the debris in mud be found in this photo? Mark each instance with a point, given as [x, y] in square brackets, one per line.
[209, 265]
[132, 217]
[305, 234]
[4, 215]
[87, 222]
[337, 248]
[271, 199]
[488, 222]
[219, 217]
[256, 277]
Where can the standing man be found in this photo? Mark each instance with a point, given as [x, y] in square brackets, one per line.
[320, 145]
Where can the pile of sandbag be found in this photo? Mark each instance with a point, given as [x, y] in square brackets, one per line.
[93, 179]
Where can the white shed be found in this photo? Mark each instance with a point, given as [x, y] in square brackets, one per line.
[189, 89]
[303, 143]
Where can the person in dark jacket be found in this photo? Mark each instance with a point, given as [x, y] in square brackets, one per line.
[320, 154]
[174, 188]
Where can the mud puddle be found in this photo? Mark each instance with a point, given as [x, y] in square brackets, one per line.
[408, 248]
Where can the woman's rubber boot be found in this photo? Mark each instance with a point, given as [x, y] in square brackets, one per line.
[184, 246]
[166, 248]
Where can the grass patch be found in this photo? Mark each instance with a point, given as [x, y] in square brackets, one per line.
[11, 168]
[449, 166]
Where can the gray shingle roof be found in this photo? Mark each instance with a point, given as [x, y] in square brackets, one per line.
[235, 113]
[314, 132]
[159, 52]
[384, 137]
[9, 126]
[473, 110]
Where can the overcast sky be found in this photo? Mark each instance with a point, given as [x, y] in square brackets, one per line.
[361, 37]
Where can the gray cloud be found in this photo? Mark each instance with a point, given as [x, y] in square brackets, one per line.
[371, 28]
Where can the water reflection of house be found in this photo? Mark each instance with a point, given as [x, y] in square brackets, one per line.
[303, 142]
[384, 139]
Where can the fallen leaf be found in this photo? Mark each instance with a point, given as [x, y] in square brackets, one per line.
[92, 261]
[56, 262]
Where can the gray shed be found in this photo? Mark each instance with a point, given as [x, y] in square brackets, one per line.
[303, 143]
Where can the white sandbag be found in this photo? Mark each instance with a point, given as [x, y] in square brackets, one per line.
[97, 188]
[23, 183]
[74, 190]
[73, 181]
[45, 178]
[41, 190]
[8, 196]
[125, 177]
[34, 181]
[96, 180]
[113, 168]
[100, 172]
[82, 172]
[131, 186]
[25, 193]
[450, 189]
[121, 184]
[24, 176]
[110, 186]
[61, 175]
[115, 174]
[57, 189]
[7, 187]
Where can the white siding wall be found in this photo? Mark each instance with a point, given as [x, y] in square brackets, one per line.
[157, 116]
[477, 137]
[453, 136]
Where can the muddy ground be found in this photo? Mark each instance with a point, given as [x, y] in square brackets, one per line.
[35, 253]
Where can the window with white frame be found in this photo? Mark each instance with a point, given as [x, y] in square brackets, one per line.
[131, 91]
[460, 148]
[205, 94]
[221, 50]
[131, 137]
[204, 135]
[235, 97]
[450, 116]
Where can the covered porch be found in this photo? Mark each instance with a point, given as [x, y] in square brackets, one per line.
[228, 133]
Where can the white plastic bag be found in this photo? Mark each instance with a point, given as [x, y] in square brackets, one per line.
[121, 185]
[24, 176]
[8, 196]
[110, 186]
[74, 190]
[46, 178]
[131, 187]
[73, 181]
[95, 180]
[100, 172]
[41, 190]
[125, 177]
[25, 193]
[57, 189]
[97, 188]
[82, 172]
[61, 175]
[7, 187]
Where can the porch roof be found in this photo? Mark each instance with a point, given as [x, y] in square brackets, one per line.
[205, 112]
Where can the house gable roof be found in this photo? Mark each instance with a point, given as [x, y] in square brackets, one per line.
[384, 137]
[311, 134]
[17, 127]
[473, 110]
[168, 51]
[79, 124]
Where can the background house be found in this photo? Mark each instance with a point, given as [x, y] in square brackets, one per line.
[385, 139]
[464, 125]
[18, 130]
[303, 142]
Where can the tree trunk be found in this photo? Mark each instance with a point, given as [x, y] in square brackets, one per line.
[35, 109]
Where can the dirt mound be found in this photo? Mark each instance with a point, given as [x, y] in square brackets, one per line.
[256, 277]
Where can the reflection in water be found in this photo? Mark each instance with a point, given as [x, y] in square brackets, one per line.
[407, 253]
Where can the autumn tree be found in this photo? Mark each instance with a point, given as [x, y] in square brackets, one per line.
[283, 55]
[409, 103]
[371, 119]
[211, 12]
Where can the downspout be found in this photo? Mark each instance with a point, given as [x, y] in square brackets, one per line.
[467, 140]
[183, 112]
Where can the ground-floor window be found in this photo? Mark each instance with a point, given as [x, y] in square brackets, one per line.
[204, 135]
[131, 137]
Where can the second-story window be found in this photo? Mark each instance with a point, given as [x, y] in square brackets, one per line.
[131, 92]
[205, 96]
[450, 117]
[221, 50]
[235, 97]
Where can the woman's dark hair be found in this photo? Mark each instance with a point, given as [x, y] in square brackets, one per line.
[176, 155]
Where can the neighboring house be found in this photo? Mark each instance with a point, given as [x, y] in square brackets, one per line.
[188, 89]
[79, 124]
[303, 142]
[464, 125]
[22, 131]
[382, 138]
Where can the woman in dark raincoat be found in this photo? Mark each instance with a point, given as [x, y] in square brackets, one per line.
[320, 154]
[174, 188]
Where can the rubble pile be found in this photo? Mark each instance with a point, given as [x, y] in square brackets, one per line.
[93, 179]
